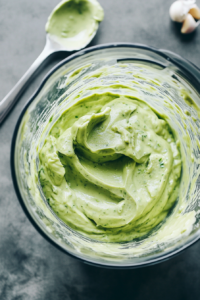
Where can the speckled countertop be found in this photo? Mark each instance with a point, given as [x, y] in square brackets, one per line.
[30, 267]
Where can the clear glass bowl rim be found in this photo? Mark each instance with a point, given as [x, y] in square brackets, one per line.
[188, 67]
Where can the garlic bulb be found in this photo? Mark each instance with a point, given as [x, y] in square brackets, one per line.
[189, 24]
[179, 10]
[195, 12]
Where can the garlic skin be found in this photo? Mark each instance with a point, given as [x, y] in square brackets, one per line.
[195, 12]
[179, 9]
[189, 24]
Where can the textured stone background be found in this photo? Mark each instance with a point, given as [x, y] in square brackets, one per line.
[30, 267]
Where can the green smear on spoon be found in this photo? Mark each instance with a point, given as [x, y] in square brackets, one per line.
[73, 23]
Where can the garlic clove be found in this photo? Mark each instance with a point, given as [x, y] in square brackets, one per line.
[189, 24]
[179, 10]
[195, 12]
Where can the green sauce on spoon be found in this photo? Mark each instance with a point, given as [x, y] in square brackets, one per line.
[73, 22]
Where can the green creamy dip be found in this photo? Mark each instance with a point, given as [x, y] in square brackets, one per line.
[110, 167]
[74, 22]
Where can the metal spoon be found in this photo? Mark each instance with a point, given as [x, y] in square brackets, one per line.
[51, 47]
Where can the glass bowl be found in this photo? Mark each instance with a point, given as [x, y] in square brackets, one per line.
[182, 115]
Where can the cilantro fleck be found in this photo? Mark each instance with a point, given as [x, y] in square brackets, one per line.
[162, 165]
[143, 136]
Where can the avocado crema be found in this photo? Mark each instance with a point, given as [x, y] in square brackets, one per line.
[110, 167]
[74, 22]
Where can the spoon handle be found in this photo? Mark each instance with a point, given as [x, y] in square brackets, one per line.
[11, 98]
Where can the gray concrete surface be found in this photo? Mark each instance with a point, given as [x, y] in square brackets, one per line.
[30, 267]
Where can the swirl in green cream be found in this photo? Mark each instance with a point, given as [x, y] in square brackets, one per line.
[110, 167]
